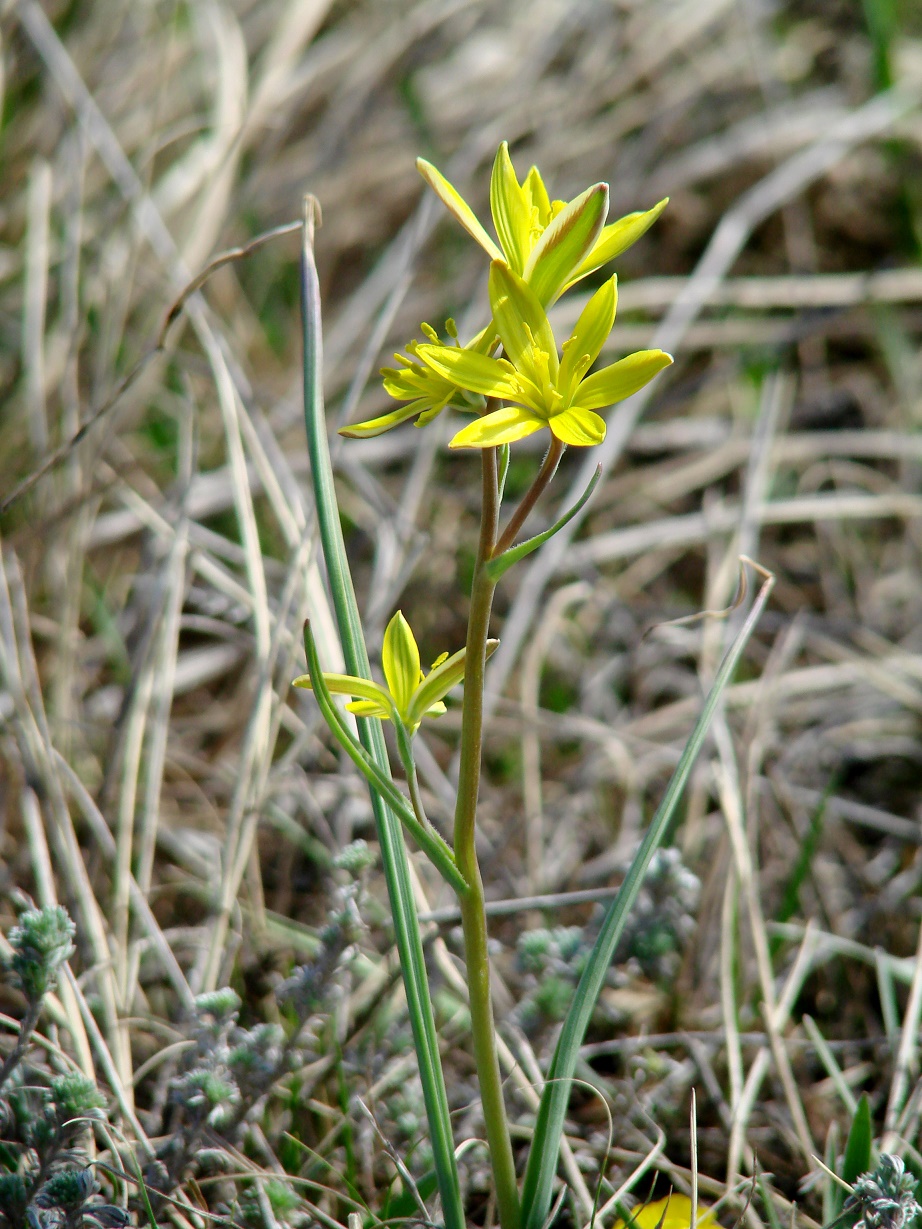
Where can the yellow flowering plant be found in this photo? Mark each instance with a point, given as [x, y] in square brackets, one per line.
[515, 381]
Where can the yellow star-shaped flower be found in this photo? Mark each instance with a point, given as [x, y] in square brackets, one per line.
[550, 244]
[544, 390]
[409, 694]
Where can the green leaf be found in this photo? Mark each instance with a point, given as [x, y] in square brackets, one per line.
[520, 319]
[504, 455]
[565, 243]
[457, 206]
[620, 380]
[511, 210]
[502, 563]
[477, 372]
[857, 1159]
[545, 1147]
[393, 851]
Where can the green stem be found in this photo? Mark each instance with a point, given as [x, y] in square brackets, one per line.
[26, 1029]
[473, 913]
[531, 496]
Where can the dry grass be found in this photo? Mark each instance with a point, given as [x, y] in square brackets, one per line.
[159, 777]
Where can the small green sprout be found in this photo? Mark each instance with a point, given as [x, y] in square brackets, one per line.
[410, 694]
[546, 391]
[75, 1095]
[41, 943]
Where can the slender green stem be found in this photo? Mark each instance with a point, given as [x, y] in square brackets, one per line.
[473, 914]
[416, 798]
[26, 1029]
[532, 495]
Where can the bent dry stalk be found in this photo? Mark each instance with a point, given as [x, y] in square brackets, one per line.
[514, 381]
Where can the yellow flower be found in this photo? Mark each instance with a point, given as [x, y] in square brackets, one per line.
[674, 1212]
[544, 391]
[550, 244]
[427, 392]
[410, 694]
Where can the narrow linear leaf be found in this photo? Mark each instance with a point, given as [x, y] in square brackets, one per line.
[393, 850]
[857, 1159]
[502, 563]
[504, 454]
[545, 1148]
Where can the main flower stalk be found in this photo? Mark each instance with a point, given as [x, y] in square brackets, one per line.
[473, 912]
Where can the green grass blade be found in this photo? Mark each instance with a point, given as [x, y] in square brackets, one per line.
[545, 1149]
[390, 836]
[857, 1159]
[809, 845]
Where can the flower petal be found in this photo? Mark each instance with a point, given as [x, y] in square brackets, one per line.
[400, 661]
[458, 206]
[620, 380]
[348, 685]
[438, 684]
[581, 428]
[566, 242]
[367, 708]
[537, 197]
[511, 210]
[503, 426]
[589, 335]
[377, 426]
[617, 237]
[476, 372]
[516, 305]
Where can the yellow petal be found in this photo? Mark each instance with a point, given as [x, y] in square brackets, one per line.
[367, 708]
[377, 426]
[537, 197]
[617, 237]
[511, 210]
[504, 426]
[518, 313]
[446, 674]
[675, 1212]
[589, 335]
[400, 662]
[581, 428]
[565, 243]
[458, 206]
[477, 372]
[620, 380]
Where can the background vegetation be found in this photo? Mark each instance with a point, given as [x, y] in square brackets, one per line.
[233, 991]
